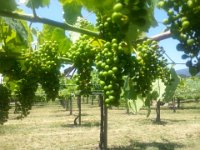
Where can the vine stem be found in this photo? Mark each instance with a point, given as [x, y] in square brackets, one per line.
[161, 36]
[37, 19]
[66, 26]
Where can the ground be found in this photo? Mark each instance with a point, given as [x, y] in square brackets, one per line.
[51, 127]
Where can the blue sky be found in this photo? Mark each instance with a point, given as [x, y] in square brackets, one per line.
[54, 11]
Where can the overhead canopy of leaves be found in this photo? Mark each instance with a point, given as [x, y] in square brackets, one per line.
[91, 5]
[98, 6]
[55, 34]
[16, 35]
[38, 3]
[138, 29]
[72, 9]
[8, 5]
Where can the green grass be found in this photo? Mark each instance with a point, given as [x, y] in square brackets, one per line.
[50, 127]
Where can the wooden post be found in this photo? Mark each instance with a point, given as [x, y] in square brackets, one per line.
[174, 104]
[158, 111]
[67, 104]
[92, 97]
[105, 126]
[178, 103]
[79, 109]
[87, 99]
[104, 123]
[127, 107]
[70, 103]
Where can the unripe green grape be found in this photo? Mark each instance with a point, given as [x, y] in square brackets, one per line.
[114, 69]
[118, 7]
[161, 4]
[190, 42]
[185, 24]
[165, 21]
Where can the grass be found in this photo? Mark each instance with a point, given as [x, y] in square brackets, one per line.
[50, 127]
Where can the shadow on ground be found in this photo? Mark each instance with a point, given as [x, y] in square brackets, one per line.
[149, 146]
[83, 124]
[168, 121]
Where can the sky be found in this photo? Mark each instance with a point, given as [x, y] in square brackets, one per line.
[54, 12]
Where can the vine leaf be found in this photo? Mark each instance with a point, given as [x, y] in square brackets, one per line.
[72, 10]
[171, 88]
[158, 89]
[38, 3]
[159, 92]
[18, 27]
[8, 5]
[55, 34]
[16, 36]
[135, 102]
[104, 6]
[136, 105]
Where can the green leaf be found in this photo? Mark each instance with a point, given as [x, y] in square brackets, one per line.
[38, 3]
[104, 6]
[171, 88]
[15, 36]
[71, 11]
[136, 105]
[129, 90]
[159, 87]
[8, 5]
[50, 33]
[19, 27]
[132, 33]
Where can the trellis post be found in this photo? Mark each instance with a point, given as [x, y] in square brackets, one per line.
[104, 124]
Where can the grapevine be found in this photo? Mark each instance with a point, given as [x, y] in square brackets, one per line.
[4, 103]
[151, 65]
[126, 16]
[49, 72]
[40, 67]
[184, 25]
[83, 55]
[111, 65]
[119, 57]
[25, 93]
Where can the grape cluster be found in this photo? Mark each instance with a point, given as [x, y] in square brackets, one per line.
[83, 55]
[111, 63]
[40, 67]
[10, 66]
[184, 25]
[50, 69]
[151, 65]
[45, 64]
[124, 15]
[4, 103]
[135, 12]
[109, 29]
[25, 93]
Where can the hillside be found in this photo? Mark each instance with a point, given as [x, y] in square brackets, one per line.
[184, 72]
